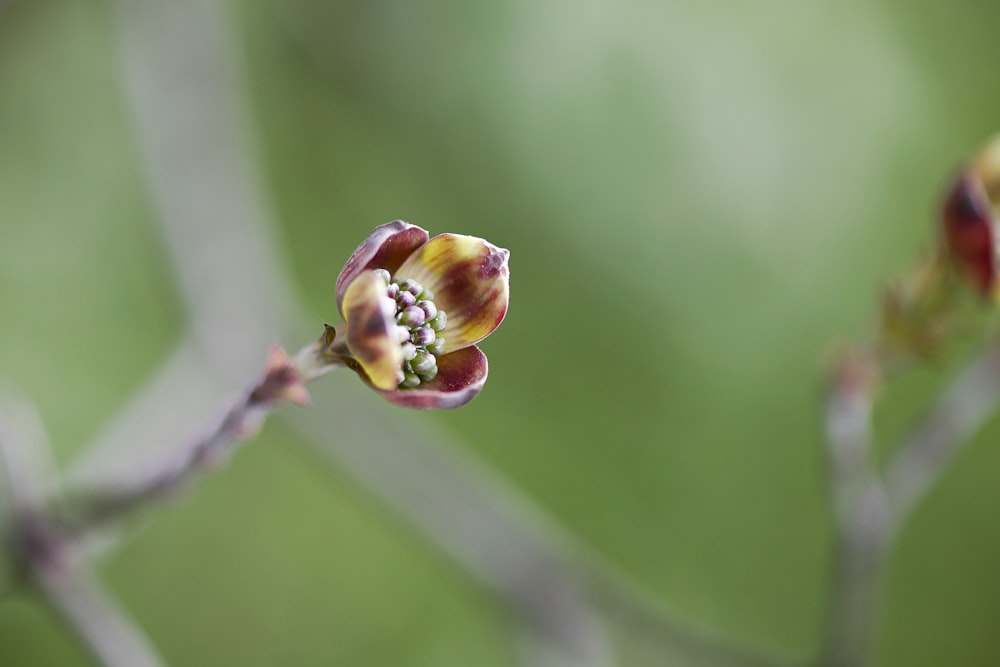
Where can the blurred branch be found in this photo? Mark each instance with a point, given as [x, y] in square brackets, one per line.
[470, 515]
[870, 509]
[860, 511]
[279, 382]
[107, 632]
[188, 114]
[43, 552]
[659, 626]
[959, 413]
[179, 83]
[25, 455]
[507, 542]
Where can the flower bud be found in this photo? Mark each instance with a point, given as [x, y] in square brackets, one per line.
[436, 347]
[423, 363]
[423, 336]
[430, 310]
[410, 380]
[405, 299]
[411, 286]
[412, 316]
[439, 321]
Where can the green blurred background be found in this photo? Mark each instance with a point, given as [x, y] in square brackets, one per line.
[699, 197]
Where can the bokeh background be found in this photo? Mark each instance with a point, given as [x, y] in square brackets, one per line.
[699, 198]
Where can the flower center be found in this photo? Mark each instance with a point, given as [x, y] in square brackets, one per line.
[418, 322]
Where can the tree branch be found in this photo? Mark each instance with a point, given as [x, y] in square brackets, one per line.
[280, 382]
[47, 556]
[860, 512]
[964, 407]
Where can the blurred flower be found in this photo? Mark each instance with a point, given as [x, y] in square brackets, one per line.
[929, 305]
[970, 229]
[414, 310]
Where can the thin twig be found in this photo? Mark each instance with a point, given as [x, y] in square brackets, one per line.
[860, 512]
[870, 509]
[971, 399]
[279, 382]
[919, 314]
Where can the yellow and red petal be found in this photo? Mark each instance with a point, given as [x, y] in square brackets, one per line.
[372, 337]
[970, 232]
[470, 280]
[461, 376]
[387, 247]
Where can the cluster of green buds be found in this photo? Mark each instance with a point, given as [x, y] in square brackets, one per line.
[418, 325]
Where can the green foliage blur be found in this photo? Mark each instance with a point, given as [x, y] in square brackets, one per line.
[699, 198]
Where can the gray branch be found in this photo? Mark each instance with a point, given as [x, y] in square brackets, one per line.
[870, 511]
[968, 403]
[46, 556]
[104, 629]
[279, 382]
[860, 514]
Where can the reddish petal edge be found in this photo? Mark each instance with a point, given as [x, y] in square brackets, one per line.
[461, 376]
[387, 247]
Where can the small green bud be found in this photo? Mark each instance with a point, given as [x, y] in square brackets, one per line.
[430, 310]
[439, 321]
[423, 363]
[429, 375]
[409, 351]
[436, 347]
[384, 275]
[410, 380]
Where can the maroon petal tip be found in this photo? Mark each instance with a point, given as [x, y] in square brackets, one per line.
[387, 247]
